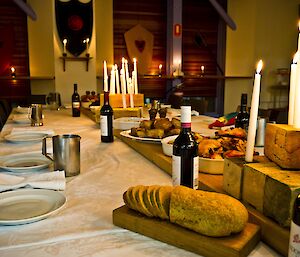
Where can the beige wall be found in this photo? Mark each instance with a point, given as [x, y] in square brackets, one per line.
[267, 30]
[45, 50]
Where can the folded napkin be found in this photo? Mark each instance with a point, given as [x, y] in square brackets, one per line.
[49, 132]
[49, 180]
[226, 120]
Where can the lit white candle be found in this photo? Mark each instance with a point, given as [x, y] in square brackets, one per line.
[112, 81]
[87, 44]
[135, 82]
[202, 69]
[298, 36]
[296, 120]
[130, 90]
[123, 88]
[253, 114]
[292, 89]
[105, 77]
[160, 68]
[126, 72]
[65, 45]
[117, 79]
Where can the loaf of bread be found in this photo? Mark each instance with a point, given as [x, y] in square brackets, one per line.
[208, 213]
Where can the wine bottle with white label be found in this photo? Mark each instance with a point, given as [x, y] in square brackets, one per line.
[185, 154]
[294, 246]
[75, 103]
[106, 120]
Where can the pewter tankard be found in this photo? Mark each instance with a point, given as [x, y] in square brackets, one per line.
[35, 114]
[66, 153]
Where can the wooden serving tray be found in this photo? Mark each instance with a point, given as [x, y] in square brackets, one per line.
[271, 233]
[239, 245]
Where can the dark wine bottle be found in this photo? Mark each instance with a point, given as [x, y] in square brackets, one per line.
[185, 163]
[294, 246]
[75, 103]
[106, 120]
[242, 119]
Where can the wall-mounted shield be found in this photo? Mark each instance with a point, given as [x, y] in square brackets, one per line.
[74, 21]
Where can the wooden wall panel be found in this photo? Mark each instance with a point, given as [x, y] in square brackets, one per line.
[198, 18]
[152, 16]
[11, 16]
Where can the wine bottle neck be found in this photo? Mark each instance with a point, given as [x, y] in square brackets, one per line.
[75, 88]
[106, 98]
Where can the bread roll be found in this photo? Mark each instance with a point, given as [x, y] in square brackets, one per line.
[208, 213]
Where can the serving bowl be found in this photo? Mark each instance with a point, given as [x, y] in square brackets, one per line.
[211, 166]
[167, 146]
[206, 165]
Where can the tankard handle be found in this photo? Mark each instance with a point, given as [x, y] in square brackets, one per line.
[44, 148]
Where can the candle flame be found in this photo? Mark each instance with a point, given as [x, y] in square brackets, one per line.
[134, 59]
[296, 57]
[202, 68]
[116, 66]
[65, 41]
[160, 66]
[259, 66]
[12, 69]
[87, 40]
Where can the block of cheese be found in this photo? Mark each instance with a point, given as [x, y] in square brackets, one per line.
[271, 190]
[281, 190]
[233, 174]
[283, 145]
[254, 180]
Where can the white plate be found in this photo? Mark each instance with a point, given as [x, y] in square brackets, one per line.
[20, 109]
[21, 119]
[126, 123]
[126, 133]
[29, 205]
[24, 162]
[25, 137]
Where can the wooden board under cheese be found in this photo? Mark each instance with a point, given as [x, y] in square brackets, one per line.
[239, 245]
[283, 145]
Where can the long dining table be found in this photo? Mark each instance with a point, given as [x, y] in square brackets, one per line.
[84, 227]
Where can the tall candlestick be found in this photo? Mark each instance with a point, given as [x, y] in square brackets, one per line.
[292, 89]
[117, 79]
[105, 77]
[298, 36]
[112, 81]
[253, 114]
[297, 98]
[126, 72]
[130, 91]
[87, 44]
[123, 88]
[135, 76]
[65, 45]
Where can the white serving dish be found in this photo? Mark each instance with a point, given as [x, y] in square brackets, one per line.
[126, 123]
[168, 148]
[206, 165]
[211, 166]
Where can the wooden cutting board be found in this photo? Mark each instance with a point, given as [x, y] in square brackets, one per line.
[271, 233]
[239, 245]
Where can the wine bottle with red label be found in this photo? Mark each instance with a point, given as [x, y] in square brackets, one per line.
[185, 163]
[75, 103]
[294, 246]
[106, 120]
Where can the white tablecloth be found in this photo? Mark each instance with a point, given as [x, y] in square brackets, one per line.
[84, 226]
